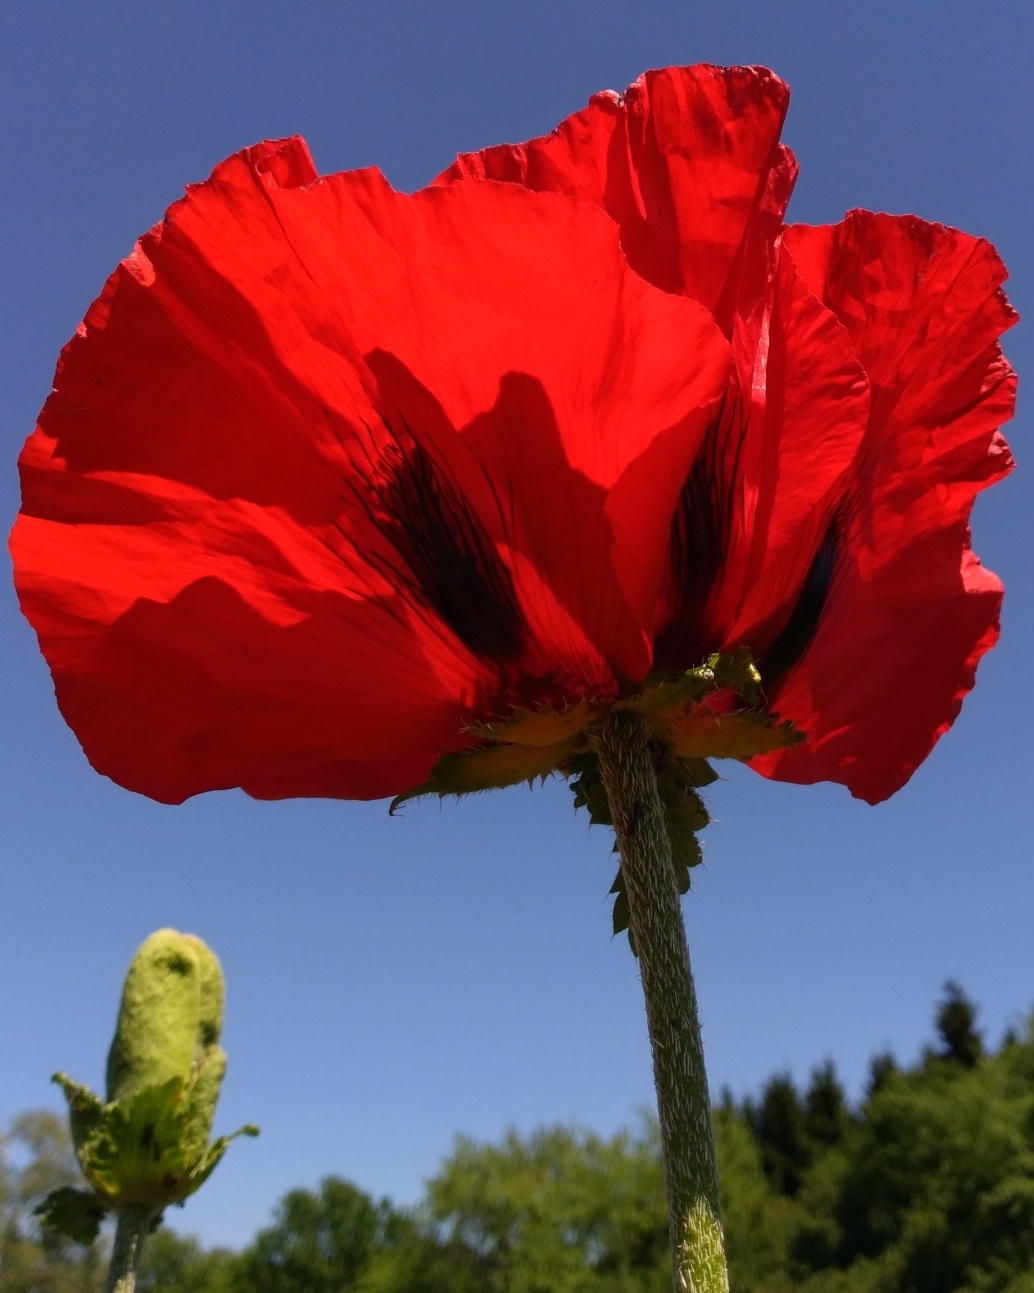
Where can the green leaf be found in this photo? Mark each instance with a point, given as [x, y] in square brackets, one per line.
[199, 1101]
[739, 734]
[695, 715]
[76, 1214]
[684, 812]
[150, 1149]
[696, 772]
[620, 916]
[685, 855]
[684, 815]
[213, 1155]
[545, 726]
[85, 1111]
[489, 767]
[664, 691]
[138, 1157]
[587, 788]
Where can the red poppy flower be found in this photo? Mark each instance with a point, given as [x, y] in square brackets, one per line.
[824, 522]
[331, 472]
[334, 480]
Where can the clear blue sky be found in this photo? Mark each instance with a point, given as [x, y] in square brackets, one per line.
[395, 981]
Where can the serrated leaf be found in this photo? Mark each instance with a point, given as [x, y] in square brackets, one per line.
[702, 733]
[85, 1111]
[147, 1153]
[667, 691]
[76, 1214]
[213, 1155]
[684, 810]
[685, 854]
[140, 1157]
[489, 767]
[696, 713]
[620, 915]
[542, 726]
[684, 814]
[697, 772]
[587, 788]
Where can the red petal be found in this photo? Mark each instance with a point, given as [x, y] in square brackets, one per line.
[198, 549]
[202, 691]
[687, 161]
[910, 611]
[513, 318]
[689, 164]
[776, 465]
[199, 643]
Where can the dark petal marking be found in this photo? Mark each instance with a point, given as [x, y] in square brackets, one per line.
[699, 540]
[796, 634]
[448, 560]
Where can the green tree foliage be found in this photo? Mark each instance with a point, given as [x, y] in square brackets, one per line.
[323, 1241]
[779, 1125]
[759, 1221]
[956, 1026]
[927, 1186]
[940, 1187]
[173, 1263]
[561, 1210]
[35, 1158]
[826, 1118]
[882, 1068]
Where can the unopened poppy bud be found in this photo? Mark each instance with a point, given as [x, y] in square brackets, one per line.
[147, 1145]
[171, 1015]
[201, 1098]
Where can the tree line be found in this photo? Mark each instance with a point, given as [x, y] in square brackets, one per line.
[926, 1185]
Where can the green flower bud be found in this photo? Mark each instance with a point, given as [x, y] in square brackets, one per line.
[171, 1015]
[148, 1145]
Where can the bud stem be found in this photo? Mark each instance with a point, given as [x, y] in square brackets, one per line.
[134, 1225]
[628, 772]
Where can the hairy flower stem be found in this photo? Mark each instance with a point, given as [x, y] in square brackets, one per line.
[655, 922]
[134, 1225]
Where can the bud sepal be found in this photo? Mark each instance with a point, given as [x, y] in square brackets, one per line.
[147, 1145]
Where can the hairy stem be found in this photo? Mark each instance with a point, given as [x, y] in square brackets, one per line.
[134, 1225]
[655, 922]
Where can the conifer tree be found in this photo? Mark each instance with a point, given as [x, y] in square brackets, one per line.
[956, 1027]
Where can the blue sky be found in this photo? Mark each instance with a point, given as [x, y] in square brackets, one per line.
[395, 981]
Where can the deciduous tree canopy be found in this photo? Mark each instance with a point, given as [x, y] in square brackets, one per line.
[927, 1186]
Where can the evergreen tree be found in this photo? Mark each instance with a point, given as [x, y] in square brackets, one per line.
[882, 1068]
[926, 1187]
[779, 1125]
[826, 1116]
[956, 1026]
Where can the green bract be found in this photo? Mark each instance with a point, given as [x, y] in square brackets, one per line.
[715, 710]
[147, 1145]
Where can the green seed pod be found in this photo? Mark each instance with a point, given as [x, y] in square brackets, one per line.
[171, 1013]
